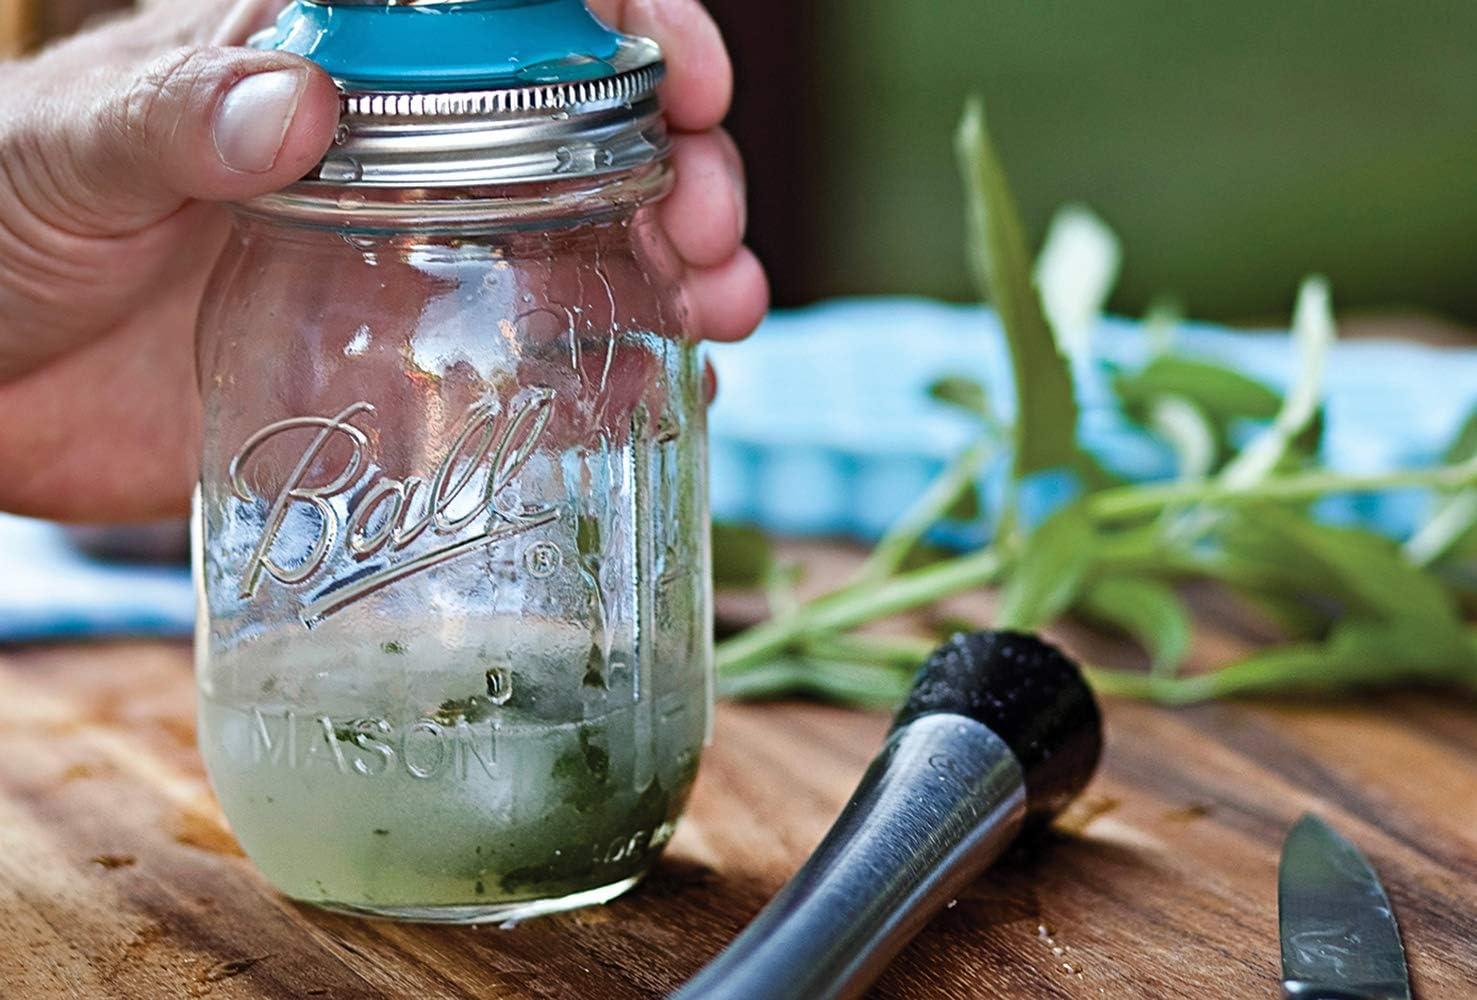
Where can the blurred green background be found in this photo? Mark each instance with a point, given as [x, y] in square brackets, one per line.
[1234, 146]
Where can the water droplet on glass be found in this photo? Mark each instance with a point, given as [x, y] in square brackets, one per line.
[605, 157]
[564, 160]
[341, 135]
[595, 669]
[499, 685]
[341, 170]
[350, 203]
[564, 69]
[668, 428]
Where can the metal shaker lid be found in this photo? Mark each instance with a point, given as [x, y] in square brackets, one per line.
[456, 93]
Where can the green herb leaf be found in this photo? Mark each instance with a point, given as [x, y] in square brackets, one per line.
[1463, 445]
[780, 584]
[903, 652]
[742, 556]
[1076, 272]
[1045, 430]
[588, 537]
[1162, 323]
[867, 685]
[1365, 610]
[1295, 616]
[1313, 330]
[1223, 394]
[967, 506]
[1145, 609]
[1366, 571]
[1455, 519]
[1051, 570]
[1357, 654]
[953, 495]
[474, 709]
[965, 394]
[583, 772]
[1189, 432]
[1303, 447]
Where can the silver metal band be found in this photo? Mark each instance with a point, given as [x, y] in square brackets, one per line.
[524, 134]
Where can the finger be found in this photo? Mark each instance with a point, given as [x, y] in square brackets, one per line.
[728, 301]
[154, 26]
[117, 152]
[706, 212]
[244, 19]
[126, 448]
[699, 85]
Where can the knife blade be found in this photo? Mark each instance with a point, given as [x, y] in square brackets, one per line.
[1340, 940]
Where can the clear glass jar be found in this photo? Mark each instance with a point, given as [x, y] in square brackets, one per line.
[452, 541]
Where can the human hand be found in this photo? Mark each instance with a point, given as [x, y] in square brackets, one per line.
[117, 150]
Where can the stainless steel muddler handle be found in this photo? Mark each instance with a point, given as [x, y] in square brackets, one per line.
[999, 733]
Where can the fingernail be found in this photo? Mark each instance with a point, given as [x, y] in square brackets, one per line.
[253, 118]
[739, 185]
[710, 382]
[741, 204]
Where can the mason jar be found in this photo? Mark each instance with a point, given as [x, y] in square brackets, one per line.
[454, 650]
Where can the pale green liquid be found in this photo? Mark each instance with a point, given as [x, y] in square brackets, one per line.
[344, 799]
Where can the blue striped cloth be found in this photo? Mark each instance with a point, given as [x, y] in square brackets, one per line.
[823, 423]
[823, 426]
[49, 590]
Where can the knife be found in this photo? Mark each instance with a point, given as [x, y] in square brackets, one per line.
[1339, 936]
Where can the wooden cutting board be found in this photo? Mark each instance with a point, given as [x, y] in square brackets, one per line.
[118, 877]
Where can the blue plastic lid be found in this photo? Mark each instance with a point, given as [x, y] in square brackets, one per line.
[448, 45]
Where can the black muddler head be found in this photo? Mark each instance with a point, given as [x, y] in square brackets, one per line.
[1028, 694]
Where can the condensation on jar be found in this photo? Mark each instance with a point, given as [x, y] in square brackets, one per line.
[452, 527]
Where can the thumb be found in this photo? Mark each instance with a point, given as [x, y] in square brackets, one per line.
[117, 152]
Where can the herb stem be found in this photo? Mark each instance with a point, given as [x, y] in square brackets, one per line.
[1304, 668]
[918, 520]
[865, 602]
[900, 652]
[1304, 673]
[1364, 614]
[1454, 518]
[867, 684]
[855, 606]
[1128, 502]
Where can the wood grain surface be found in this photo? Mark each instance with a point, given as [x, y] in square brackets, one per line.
[118, 877]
